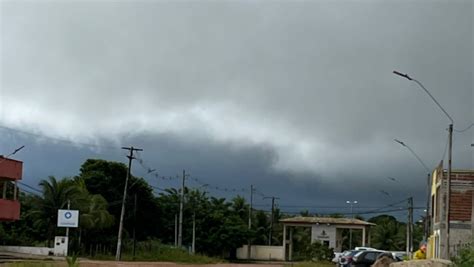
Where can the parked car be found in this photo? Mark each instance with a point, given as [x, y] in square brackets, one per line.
[364, 248]
[399, 255]
[337, 255]
[366, 258]
[346, 258]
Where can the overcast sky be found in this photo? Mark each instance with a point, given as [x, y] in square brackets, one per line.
[295, 97]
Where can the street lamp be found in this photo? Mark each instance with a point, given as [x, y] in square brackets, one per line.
[409, 234]
[428, 185]
[352, 216]
[4, 158]
[445, 251]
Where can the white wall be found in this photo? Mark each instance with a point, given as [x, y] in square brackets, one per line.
[261, 253]
[323, 232]
[27, 250]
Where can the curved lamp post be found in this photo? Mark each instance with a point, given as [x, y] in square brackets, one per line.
[428, 185]
[445, 250]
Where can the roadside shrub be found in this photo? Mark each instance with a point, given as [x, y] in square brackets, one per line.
[465, 257]
[316, 251]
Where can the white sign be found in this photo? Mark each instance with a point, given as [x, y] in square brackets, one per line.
[68, 218]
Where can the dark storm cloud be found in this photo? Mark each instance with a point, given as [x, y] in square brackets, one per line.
[298, 95]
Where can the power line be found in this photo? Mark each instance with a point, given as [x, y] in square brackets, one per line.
[65, 141]
[30, 187]
[214, 187]
[317, 207]
[197, 180]
[30, 192]
[347, 214]
[467, 128]
[152, 171]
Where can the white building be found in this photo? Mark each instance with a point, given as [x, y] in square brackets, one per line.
[324, 229]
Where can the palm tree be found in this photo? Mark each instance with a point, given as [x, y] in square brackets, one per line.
[388, 234]
[56, 195]
[240, 207]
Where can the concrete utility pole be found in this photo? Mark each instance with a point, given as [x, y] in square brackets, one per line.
[409, 249]
[428, 186]
[175, 229]
[122, 212]
[271, 219]
[448, 189]
[181, 205]
[67, 228]
[427, 212]
[134, 224]
[249, 249]
[445, 254]
[193, 245]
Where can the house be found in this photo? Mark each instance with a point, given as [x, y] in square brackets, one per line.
[461, 215]
[326, 230]
[10, 173]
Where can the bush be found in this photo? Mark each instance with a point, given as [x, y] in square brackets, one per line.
[153, 250]
[318, 252]
[465, 257]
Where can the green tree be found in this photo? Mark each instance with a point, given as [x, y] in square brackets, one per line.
[107, 178]
[388, 234]
[56, 195]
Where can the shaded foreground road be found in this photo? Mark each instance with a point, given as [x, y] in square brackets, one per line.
[87, 263]
[9, 257]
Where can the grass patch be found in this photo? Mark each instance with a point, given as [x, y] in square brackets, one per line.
[163, 253]
[314, 264]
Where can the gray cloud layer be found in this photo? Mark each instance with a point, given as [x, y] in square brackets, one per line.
[301, 91]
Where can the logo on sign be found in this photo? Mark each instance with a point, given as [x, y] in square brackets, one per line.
[68, 218]
[323, 235]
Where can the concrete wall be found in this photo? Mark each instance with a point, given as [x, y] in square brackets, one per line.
[324, 233]
[28, 250]
[422, 263]
[261, 253]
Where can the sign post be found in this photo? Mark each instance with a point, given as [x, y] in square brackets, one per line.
[68, 218]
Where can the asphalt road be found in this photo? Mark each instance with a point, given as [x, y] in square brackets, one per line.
[6, 257]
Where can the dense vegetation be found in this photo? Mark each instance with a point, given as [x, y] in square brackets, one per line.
[465, 257]
[221, 225]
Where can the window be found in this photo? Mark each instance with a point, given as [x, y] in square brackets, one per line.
[370, 256]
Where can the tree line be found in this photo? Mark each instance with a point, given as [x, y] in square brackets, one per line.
[221, 225]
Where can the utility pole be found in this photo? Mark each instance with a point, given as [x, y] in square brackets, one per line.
[409, 248]
[448, 190]
[175, 230]
[271, 219]
[134, 223]
[122, 212]
[181, 204]
[67, 228]
[249, 249]
[428, 188]
[427, 213]
[193, 245]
